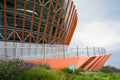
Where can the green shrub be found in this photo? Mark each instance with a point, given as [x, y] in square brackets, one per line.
[106, 70]
[110, 69]
[10, 69]
[77, 71]
[38, 74]
[67, 70]
[45, 66]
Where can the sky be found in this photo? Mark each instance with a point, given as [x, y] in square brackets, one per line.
[99, 25]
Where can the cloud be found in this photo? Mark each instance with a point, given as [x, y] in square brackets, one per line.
[92, 10]
[97, 34]
[99, 25]
[97, 22]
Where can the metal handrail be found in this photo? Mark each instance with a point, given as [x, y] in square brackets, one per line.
[47, 51]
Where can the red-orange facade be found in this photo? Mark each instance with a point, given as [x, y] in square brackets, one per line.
[48, 21]
[41, 28]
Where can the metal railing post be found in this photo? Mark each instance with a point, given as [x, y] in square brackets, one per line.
[94, 51]
[99, 50]
[87, 51]
[104, 51]
[44, 52]
[16, 50]
[64, 51]
[77, 51]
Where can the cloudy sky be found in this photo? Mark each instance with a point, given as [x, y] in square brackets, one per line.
[99, 25]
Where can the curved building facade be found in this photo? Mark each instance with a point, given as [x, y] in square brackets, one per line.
[28, 26]
[40, 31]
[37, 21]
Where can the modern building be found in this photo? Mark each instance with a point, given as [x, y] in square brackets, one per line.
[37, 29]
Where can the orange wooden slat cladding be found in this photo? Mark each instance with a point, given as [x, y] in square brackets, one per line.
[5, 36]
[54, 17]
[31, 27]
[58, 24]
[23, 26]
[61, 36]
[46, 26]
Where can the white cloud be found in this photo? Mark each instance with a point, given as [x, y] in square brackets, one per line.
[96, 34]
[99, 25]
[93, 28]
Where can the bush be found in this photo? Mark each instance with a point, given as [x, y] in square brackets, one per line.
[38, 74]
[106, 70]
[110, 69]
[77, 71]
[67, 70]
[10, 69]
[45, 66]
